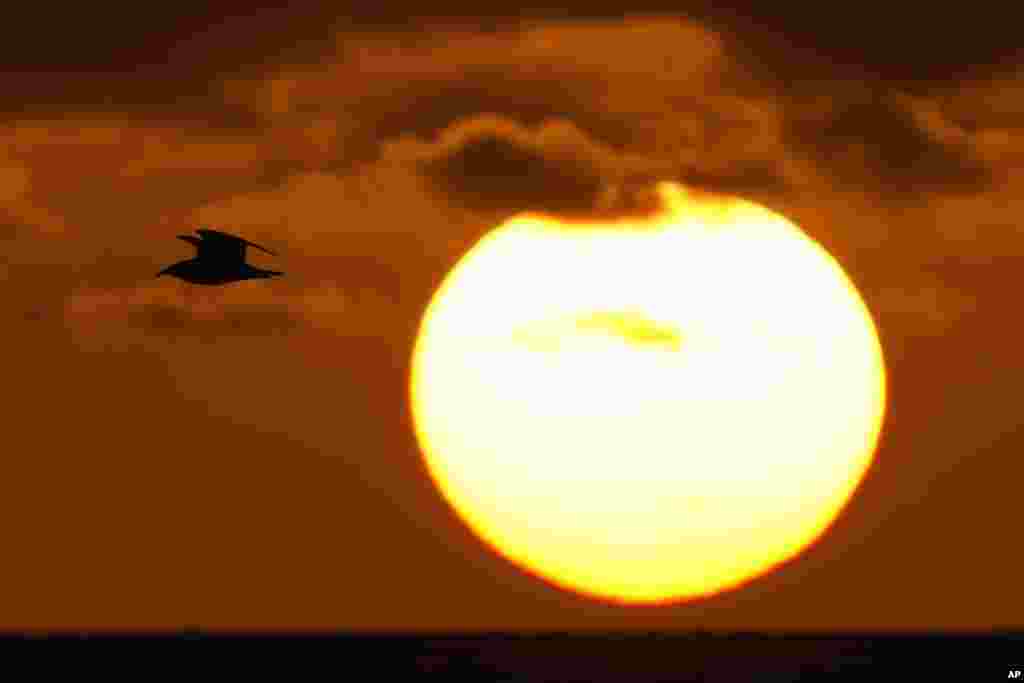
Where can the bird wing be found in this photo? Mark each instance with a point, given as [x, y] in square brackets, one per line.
[191, 239]
[224, 245]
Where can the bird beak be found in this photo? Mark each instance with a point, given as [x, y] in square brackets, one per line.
[162, 272]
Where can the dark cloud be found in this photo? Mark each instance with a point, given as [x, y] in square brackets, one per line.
[497, 164]
[491, 169]
[490, 163]
[797, 44]
[875, 144]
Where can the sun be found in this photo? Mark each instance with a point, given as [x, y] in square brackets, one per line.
[650, 410]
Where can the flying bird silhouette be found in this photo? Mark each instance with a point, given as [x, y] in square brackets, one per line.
[220, 260]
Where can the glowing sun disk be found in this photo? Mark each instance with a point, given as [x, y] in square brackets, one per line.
[648, 410]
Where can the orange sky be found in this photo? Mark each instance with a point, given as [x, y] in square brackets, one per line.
[247, 460]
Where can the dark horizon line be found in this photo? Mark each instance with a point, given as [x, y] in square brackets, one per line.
[1014, 633]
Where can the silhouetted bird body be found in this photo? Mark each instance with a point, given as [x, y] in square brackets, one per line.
[220, 260]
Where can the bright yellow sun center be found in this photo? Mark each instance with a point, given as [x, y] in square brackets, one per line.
[653, 410]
